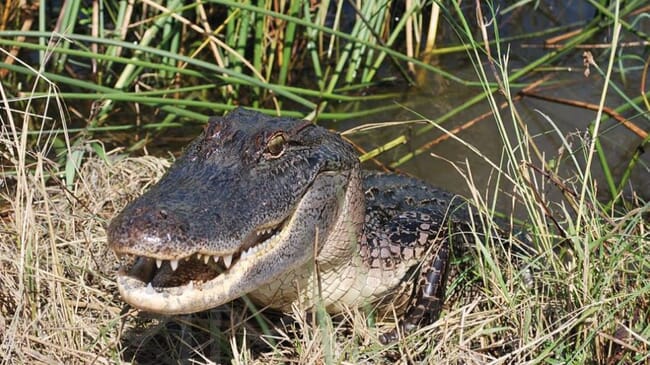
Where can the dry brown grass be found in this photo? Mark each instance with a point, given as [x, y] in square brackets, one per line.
[56, 271]
[60, 303]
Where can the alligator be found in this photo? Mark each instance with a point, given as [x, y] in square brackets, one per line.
[279, 210]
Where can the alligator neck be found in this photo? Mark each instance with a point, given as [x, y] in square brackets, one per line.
[338, 265]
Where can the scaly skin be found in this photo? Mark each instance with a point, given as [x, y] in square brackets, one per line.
[256, 203]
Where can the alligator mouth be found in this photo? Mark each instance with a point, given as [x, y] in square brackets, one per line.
[184, 285]
[193, 283]
[161, 273]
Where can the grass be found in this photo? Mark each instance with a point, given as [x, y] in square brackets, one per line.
[591, 304]
[59, 188]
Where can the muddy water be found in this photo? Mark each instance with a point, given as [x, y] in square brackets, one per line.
[434, 97]
[618, 142]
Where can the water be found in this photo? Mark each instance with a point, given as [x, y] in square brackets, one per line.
[435, 97]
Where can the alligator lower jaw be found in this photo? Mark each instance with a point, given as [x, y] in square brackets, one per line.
[194, 283]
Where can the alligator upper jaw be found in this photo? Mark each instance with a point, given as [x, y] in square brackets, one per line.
[198, 282]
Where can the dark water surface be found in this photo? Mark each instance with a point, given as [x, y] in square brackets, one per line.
[435, 97]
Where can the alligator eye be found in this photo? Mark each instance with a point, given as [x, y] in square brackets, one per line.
[275, 146]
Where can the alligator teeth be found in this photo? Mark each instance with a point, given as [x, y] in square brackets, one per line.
[264, 231]
[206, 259]
[198, 256]
[216, 259]
[227, 260]
[159, 263]
[173, 264]
[261, 246]
[150, 289]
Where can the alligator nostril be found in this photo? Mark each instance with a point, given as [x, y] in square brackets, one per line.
[163, 214]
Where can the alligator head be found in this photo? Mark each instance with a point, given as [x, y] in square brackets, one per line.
[245, 203]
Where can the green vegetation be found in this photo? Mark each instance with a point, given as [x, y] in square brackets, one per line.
[76, 76]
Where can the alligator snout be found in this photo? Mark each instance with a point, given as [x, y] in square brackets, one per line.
[152, 229]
